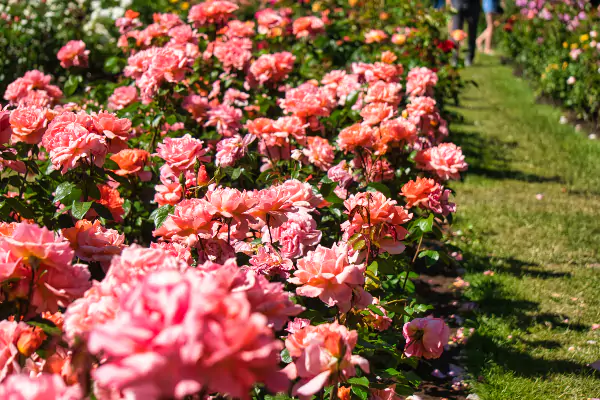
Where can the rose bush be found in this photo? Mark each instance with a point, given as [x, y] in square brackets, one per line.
[556, 44]
[243, 206]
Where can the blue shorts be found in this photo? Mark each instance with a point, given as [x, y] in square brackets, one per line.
[490, 6]
[439, 4]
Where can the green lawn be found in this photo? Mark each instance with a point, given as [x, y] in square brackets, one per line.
[533, 326]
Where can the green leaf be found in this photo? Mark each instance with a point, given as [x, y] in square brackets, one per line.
[79, 209]
[375, 310]
[71, 84]
[360, 391]
[160, 214]
[285, 356]
[362, 381]
[426, 225]
[48, 327]
[379, 187]
[68, 192]
[112, 65]
[236, 173]
[19, 207]
[102, 211]
[431, 256]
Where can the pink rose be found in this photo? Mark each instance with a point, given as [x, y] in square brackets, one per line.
[205, 335]
[42, 387]
[93, 242]
[329, 275]
[446, 160]
[425, 337]
[73, 54]
[182, 153]
[322, 356]
[28, 124]
[122, 97]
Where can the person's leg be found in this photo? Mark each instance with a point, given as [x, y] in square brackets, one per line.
[489, 18]
[472, 21]
[458, 20]
[482, 39]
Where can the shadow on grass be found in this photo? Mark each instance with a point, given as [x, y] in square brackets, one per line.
[484, 350]
[495, 303]
[490, 157]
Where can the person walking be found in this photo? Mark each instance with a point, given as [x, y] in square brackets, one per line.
[466, 11]
[484, 41]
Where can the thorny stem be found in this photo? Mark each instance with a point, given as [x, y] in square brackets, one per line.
[412, 263]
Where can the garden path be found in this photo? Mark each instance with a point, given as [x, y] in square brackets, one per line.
[528, 211]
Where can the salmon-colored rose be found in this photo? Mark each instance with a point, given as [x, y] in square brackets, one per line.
[28, 124]
[132, 162]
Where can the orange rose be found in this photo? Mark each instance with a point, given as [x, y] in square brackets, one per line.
[458, 35]
[132, 162]
[417, 192]
[30, 340]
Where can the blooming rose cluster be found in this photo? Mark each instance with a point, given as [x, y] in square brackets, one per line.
[182, 303]
[33, 89]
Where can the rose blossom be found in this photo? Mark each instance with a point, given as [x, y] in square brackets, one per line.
[420, 82]
[69, 140]
[425, 337]
[380, 218]
[295, 236]
[212, 12]
[271, 68]
[357, 136]
[28, 124]
[226, 119]
[322, 356]
[31, 250]
[268, 261]
[307, 26]
[93, 242]
[43, 387]
[122, 97]
[329, 275]
[73, 54]
[230, 150]
[115, 129]
[182, 153]
[132, 162]
[319, 152]
[445, 160]
[428, 194]
[205, 335]
[374, 113]
[197, 106]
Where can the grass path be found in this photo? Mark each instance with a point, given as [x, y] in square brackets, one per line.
[533, 324]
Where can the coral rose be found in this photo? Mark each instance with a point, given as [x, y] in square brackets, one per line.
[28, 124]
[73, 54]
[122, 97]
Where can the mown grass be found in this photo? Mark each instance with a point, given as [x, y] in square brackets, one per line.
[533, 327]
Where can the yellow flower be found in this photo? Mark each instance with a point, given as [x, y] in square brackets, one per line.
[586, 46]
[565, 45]
[316, 7]
[574, 46]
[584, 38]
[173, 1]
[352, 3]
[185, 5]
[565, 65]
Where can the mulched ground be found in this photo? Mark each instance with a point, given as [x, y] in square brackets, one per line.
[434, 285]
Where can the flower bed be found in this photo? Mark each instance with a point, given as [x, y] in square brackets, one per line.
[556, 43]
[239, 211]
